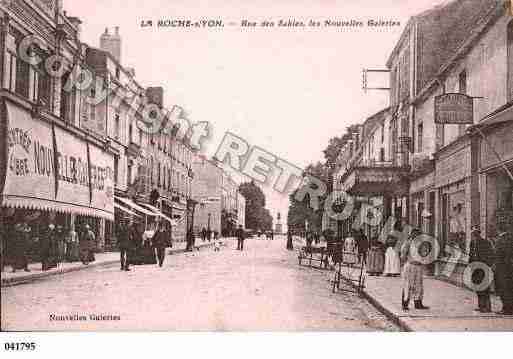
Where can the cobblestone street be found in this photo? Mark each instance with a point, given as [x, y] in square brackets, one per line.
[262, 288]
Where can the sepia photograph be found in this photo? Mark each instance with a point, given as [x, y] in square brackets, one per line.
[265, 166]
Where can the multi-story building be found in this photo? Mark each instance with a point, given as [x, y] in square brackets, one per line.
[451, 175]
[52, 170]
[150, 168]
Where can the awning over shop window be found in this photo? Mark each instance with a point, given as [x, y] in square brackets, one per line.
[157, 212]
[135, 206]
[126, 210]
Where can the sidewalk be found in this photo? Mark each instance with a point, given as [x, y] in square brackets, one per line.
[451, 307]
[102, 259]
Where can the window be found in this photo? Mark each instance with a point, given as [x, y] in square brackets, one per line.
[116, 125]
[44, 86]
[22, 78]
[66, 106]
[382, 155]
[130, 132]
[140, 137]
[420, 135]
[116, 169]
[383, 133]
[462, 79]
[118, 73]
[158, 176]
[129, 174]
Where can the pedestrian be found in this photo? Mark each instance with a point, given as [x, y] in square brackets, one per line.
[20, 247]
[46, 247]
[240, 238]
[60, 243]
[504, 271]
[209, 234]
[375, 258]
[160, 244]
[124, 246]
[481, 252]
[392, 260]
[309, 239]
[203, 234]
[72, 247]
[413, 273]
[135, 238]
[317, 238]
[86, 243]
[363, 246]
[349, 255]
[290, 245]
[216, 235]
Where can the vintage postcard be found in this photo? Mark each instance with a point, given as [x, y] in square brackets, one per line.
[246, 166]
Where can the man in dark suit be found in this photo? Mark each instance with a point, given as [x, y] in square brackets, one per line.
[240, 238]
[124, 246]
[160, 243]
[481, 251]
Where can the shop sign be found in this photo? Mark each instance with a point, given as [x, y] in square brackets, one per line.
[30, 163]
[454, 108]
[51, 164]
[453, 168]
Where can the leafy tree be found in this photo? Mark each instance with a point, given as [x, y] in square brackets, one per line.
[255, 204]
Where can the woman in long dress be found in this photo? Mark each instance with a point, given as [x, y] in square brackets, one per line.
[290, 245]
[350, 253]
[392, 260]
[375, 258]
[72, 249]
[60, 245]
[413, 274]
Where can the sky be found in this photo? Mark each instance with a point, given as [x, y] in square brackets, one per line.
[287, 90]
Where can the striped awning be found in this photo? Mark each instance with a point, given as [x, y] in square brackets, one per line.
[126, 210]
[135, 206]
[40, 204]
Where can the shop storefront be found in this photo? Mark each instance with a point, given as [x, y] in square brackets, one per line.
[52, 175]
[495, 172]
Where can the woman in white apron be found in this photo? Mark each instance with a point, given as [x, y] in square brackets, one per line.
[392, 260]
[350, 254]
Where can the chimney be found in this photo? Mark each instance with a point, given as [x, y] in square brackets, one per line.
[111, 43]
[155, 95]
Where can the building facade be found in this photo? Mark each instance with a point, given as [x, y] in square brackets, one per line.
[52, 171]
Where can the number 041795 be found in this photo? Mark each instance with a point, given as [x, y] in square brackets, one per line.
[19, 346]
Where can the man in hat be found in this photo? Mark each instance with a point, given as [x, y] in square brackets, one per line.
[86, 244]
[481, 251]
[504, 271]
[240, 238]
[124, 245]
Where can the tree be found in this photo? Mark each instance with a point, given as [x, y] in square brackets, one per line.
[255, 204]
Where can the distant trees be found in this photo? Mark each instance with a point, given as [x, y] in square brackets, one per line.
[257, 216]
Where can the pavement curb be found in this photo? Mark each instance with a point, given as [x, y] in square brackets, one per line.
[381, 308]
[11, 282]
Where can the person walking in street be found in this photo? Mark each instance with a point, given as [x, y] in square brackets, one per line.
[240, 238]
[135, 238]
[209, 234]
[191, 239]
[20, 247]
[363, 246]
[392, 260]
[504, 271]
[160, 244]
[481, 251]
[413, 273]
[290, 245]
[124, 246]
[203, 234]
[216, 235]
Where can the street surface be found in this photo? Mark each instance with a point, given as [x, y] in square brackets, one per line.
[262, 288]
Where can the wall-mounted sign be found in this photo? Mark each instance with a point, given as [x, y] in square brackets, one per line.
[454, 108]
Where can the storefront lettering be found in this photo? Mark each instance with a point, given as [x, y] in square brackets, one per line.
[72, 169]
[43, 160]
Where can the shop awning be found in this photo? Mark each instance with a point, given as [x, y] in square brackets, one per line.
[47, 205]
[126, 210]
[135, 206]
[157, 212]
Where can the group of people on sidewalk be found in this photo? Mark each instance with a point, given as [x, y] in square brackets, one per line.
[52, 246]
[142, 247]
